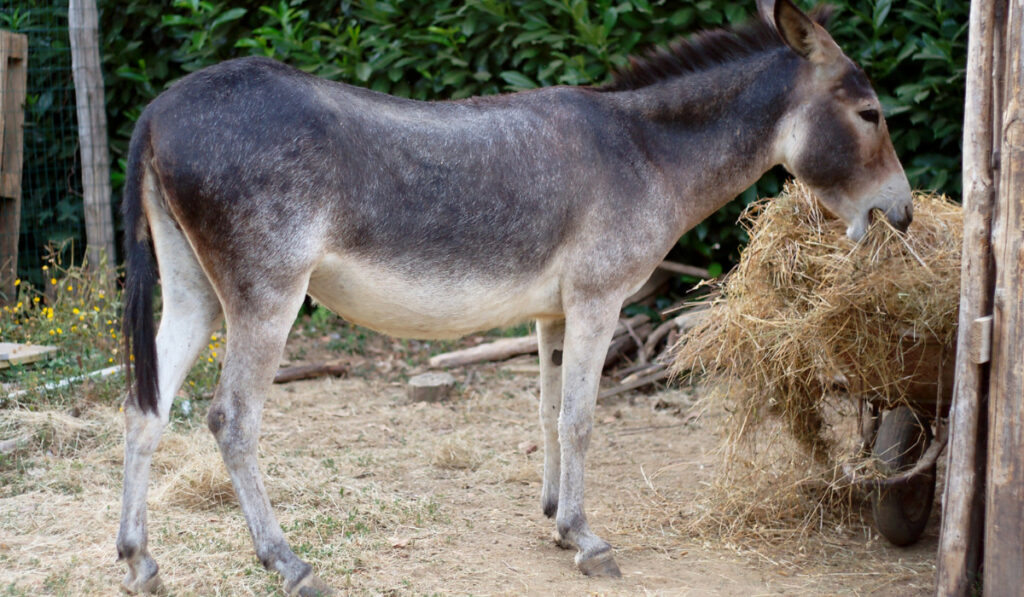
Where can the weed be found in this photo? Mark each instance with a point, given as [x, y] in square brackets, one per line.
[78, 310]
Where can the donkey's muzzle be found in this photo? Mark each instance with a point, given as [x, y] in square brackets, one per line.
[901, 216]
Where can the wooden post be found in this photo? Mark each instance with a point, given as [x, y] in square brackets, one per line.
[961, 538]
[92, 129]
[13, 79]
[1004, 506]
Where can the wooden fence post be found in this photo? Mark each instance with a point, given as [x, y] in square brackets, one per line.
[13, 79]
[1004, 503]
[83, 28]
[962, 515]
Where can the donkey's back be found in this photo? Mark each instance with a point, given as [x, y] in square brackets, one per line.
[413, 218]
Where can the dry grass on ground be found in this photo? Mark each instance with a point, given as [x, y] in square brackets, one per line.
[384, 497]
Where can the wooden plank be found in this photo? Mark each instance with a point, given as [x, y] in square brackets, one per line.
[1004, 505]
[92, 129]
[962, 523]
[19, 354]
[13, 81]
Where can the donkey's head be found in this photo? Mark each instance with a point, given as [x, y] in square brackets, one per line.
[834, 137]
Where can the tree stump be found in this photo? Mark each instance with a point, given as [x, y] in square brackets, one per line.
[430, 387]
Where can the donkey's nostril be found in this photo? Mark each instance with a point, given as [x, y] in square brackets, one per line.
[902, 221]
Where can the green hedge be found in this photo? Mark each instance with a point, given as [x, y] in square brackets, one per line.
[915, 54]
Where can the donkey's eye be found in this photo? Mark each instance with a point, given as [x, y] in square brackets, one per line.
[869, 115]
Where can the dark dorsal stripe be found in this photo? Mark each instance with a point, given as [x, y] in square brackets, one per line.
[702, 51]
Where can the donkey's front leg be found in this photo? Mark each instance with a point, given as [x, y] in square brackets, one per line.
[589, 329]
[550, 337]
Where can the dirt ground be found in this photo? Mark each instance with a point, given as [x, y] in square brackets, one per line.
[388, 497]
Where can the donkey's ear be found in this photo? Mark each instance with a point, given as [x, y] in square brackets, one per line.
[766, 9]
[806, 37]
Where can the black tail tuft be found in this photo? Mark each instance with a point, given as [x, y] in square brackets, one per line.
[137, 326]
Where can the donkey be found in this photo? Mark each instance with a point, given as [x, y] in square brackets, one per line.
[251, 184]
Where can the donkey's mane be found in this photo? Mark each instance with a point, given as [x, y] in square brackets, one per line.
[701, 51]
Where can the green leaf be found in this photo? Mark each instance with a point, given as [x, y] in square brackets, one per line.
[232, 15]
[517, 80]
[363, 71]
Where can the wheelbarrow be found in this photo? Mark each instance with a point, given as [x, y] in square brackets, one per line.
[900, 437]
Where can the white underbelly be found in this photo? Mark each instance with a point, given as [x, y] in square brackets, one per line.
[427, 305]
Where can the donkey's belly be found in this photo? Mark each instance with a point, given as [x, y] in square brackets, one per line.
[428, 304]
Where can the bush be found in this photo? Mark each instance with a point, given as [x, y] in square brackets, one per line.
[449, 49]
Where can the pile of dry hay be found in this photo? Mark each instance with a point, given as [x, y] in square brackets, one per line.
[809, 319]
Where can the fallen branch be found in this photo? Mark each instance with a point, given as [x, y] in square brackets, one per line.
[498, 350]
[927, 461]
[643, 381]
[682, 268]
[333, 368]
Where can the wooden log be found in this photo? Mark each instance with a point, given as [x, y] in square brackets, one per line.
[336, 368]
[962, 523]
[92, 129]
[430, 387]
[13, 85]
[498, 350]
[1004, 497]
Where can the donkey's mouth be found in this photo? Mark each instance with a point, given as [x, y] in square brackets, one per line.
[899, 216]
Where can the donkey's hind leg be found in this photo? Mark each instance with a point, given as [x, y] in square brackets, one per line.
[550, 336]
[257, 332]
[190, 312]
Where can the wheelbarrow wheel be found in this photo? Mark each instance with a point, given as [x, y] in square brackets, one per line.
[901, 512]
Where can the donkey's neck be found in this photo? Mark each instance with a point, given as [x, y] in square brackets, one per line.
[712, 133]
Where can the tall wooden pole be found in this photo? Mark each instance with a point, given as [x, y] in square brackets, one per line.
[13, 77]
[92, 128]
[962, 516]
[1004, 512]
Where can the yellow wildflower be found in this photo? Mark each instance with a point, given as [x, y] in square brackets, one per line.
[17, 282]
[53, 281]
[75, 311]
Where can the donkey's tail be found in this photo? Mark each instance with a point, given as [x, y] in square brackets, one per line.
[137, 327]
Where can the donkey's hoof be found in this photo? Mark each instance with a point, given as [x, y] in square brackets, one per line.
[142, 577]
[149, 586]
[601, 563]
[562, 541]
[310, 586]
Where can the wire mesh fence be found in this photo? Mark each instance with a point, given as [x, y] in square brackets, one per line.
[52, 210]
